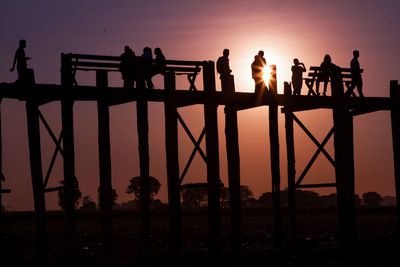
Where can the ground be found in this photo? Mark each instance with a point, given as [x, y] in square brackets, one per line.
[318, 240]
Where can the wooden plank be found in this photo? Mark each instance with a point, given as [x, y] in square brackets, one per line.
[69, 178]
[233, 157]
[32, 116]
[316, 185]
[171, 149]
[344, 167]
[106, 194]
[143, 136]
[395, 120]
[213, 180]
[291, 171]
[275, 168]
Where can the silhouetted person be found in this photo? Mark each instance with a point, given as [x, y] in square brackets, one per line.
[127, 67]
[356, 78]
[20, 59]
[160, 63]
[297, 76]
[324, 73]
[223, 64]
[257, 72]
[147, 65]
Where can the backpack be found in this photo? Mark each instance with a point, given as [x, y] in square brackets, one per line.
[220, 66]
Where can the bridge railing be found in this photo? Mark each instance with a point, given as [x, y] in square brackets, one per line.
[71, 63]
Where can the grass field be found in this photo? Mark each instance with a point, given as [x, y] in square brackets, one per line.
[317, 238]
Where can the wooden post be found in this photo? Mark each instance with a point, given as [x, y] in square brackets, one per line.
[275, 169]
[395, 117]
[171, 149]
[32, 116]
[344, 165]
[1, 186]
[69, 157]
[213, 180]
[232, 151]
[143, 136]
[105, 192]
[291, 168]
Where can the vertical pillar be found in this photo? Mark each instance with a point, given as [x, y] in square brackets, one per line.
[1, 186]
[395, 117]
[274, 152]
[143, 136]
[344, 164]
[32, 115]
[69, 157]
[291, 168]
[105, 192]
[232, 151]
[213, 180]
[171, 149]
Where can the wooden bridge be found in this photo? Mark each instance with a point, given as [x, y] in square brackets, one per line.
[343, 107]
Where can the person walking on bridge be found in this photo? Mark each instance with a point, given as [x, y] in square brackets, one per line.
[356, 78]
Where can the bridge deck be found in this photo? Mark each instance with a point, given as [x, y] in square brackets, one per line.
[45, 93]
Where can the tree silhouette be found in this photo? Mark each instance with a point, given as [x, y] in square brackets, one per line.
[114, 197]
[134, 187]
[372, 199]
[88, 203]
[193, 194]
[61, 196]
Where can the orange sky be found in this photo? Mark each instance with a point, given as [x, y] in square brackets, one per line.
[200, 30]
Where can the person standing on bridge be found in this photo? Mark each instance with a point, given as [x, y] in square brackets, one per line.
[297, 76]
[223, 64]
[20, 60]
[127, 67]
[147, 58]
[257, 72]
[356, 78]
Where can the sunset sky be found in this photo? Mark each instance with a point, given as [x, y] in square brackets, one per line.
[199, 30]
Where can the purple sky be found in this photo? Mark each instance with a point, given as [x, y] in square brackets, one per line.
[199, 30]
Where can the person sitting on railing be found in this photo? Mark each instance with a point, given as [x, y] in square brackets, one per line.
[127, 67]
[147, 58]
[20, 59]
[223, 64]
[297, 76]
[324, 73]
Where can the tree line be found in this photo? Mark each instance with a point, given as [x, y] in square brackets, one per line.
[194, 195]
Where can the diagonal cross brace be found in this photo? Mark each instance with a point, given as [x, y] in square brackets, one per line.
[198, 148]
[320, 146]
[52, 135]
[314, 157]
[192, 155]
[53, 160]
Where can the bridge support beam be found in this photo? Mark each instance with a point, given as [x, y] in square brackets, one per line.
[32, 115]
[291, 170]
[212, 148]
[344, 166]
[171, 147]
[275, 168]
[395, 116]
[232, 151]
[105, 190]
[143, 137]
[70, 182]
